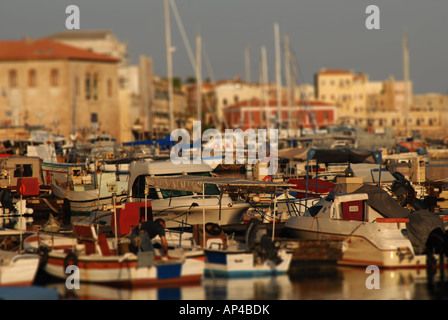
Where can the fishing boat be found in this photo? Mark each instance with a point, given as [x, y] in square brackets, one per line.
[98, 263]
[86, 187]
[375, 229]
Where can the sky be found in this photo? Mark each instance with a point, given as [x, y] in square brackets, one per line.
[322, 33]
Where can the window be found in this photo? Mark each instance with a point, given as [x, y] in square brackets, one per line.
[88, 86]
[12, 78]
[109, 87]
[54, 77]
[95, 86]
[32, 81]
[23, 170]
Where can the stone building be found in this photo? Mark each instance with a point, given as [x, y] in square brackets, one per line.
[67, 90]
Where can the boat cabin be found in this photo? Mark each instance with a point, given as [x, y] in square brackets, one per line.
[13, 168]
[350, 207]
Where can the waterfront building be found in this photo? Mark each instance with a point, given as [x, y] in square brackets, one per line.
[65, 89]
[254, 113]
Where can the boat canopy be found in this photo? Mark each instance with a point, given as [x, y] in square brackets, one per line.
[344, 155]
[195, 183]
[293, 153]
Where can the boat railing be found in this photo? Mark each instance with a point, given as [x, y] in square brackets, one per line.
[294, 206]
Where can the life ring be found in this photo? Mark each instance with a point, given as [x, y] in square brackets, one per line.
[213, 228]
[43, 254]
[267, 178]
[70, 259]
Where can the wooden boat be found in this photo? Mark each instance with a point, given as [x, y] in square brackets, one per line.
[375, 229]
[97, 263]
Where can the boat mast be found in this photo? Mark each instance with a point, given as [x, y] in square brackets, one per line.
[247, 61]
[75, 92]
[198, 77]
[264, 69]
[288, 81]
[169, 63]
[278, 75]
[406, 80]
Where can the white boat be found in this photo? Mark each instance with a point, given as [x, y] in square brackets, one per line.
[375, 229]
[178, 205]
[258, 256]
[86, 188]
[98, 263]
[239, 262]
[18, 269]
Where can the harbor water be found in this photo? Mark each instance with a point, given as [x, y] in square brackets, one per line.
[333, 283]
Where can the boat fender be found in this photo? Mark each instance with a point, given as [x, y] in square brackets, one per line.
[43, 254]
[70, 259]
[213, 228]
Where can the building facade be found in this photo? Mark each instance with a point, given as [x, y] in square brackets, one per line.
[65, 89]
[254, 114]
[346, 90]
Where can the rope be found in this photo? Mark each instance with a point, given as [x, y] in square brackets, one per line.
[50, 206]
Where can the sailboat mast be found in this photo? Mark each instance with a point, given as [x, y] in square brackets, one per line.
[75, 93]
[278, 75]
[247, 61]
[198, 77]
[265, 82]
[406, 80]
[288, 81]
[169, 63]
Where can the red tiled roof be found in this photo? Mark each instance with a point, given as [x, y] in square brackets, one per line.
[334, 71]
[44, 49]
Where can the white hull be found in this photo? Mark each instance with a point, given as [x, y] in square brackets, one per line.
[19, 271]
[178, 211]
[362, 250]
[84, 202]
[242, 264]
